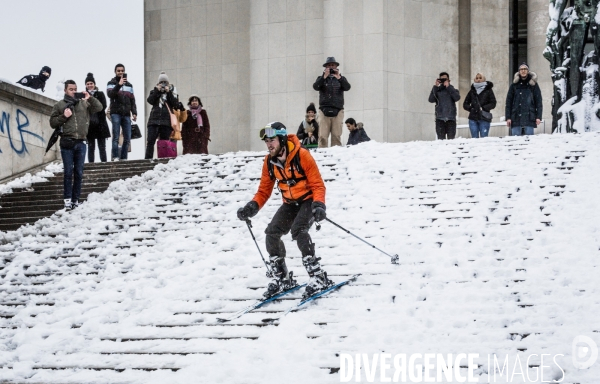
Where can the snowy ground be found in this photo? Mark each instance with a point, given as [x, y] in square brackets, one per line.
[28, 179]
[498, 242]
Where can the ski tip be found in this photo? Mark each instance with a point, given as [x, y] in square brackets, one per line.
[270, 321]
[220, 320]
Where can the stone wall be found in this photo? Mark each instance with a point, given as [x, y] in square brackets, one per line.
[254, 61]
[24, 130]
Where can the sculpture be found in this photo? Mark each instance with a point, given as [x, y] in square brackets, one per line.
[575, 75]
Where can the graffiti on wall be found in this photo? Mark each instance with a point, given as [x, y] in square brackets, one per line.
[22, 123]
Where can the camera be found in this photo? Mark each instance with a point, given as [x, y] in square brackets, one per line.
[78, 95]
[442, 81]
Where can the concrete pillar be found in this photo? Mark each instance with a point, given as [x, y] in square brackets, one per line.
[537, 23]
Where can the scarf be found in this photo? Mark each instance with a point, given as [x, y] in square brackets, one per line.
[308, 127]
[196, 115]
[71, 102]
[479, 87]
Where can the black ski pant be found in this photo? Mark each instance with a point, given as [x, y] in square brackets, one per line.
[294, 217]
[445, 128]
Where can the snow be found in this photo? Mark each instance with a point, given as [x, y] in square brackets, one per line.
[28, 179]
[498, 241]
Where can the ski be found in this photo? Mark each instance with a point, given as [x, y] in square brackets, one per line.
[259, 303]
[324, 292]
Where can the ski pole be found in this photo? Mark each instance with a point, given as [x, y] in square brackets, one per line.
[394, 258]
[249, 224]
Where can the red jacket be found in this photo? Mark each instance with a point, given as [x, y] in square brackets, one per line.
[311, 187]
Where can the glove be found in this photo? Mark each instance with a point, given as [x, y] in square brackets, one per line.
[180, 106]
[250, 210]
[318, 210]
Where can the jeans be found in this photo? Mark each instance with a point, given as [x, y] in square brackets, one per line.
[445, 129]
[119, 121]
[154, 132]
[516, 131]
[479, 128]
[73, 160]
[101, 149]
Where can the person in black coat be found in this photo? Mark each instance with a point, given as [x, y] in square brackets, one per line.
[98, 129]
[37, 81]
[308, 131]
[357, 132]
[162, 98]
[445, 96]
[524, 102]
[479, 102]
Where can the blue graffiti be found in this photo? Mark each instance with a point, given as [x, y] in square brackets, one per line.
[5, 122]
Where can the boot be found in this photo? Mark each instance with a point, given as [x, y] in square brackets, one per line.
[68, 205]
[282, 279]
[318, 277]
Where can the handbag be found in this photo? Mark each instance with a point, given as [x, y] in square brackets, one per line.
[174, 119]
[135, 132]
[485, 115]
[330, 111]
[166, 149]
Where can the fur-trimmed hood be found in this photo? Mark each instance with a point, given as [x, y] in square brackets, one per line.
[532, 79]
[359, 125]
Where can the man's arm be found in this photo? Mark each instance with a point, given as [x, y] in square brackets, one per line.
[112, 90]
[454, 93]
[539, 105]
[345, 84]
[57, 117]
[319, 83]
[266, 186]
[313, 176]
[433, 94]
[133, 104]
[94, 105]
[508, 105]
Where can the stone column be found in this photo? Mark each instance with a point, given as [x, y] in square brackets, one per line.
[537, 23]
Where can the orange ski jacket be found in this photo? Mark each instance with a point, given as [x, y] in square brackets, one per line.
[307, 185]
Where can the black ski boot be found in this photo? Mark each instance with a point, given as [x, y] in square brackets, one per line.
[283, 279]
[318, 277]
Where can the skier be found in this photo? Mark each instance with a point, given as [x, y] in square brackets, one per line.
[303, 192]
[37, 81]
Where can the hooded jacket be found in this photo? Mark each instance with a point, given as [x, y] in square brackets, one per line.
[331, 91]
[309, 186]
[358, 135]
[445, 99]
[474, 103]
[122, 99]
[524, 101]
[76, 126]
[36, 81]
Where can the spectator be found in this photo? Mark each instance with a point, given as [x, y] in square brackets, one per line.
[331, 86]
[445, 96]
[523, 102]
[357, 132]
[308, 131]
[122, 111]
[479, 102]
[98, 130]
[195, 131]
[73, 114]
[163, 99]
[37, 81]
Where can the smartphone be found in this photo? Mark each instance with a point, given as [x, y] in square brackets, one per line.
[125, 76]
[79, 95]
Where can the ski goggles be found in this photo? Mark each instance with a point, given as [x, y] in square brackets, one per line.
[269, 132]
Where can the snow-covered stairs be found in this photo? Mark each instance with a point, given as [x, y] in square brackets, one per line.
[128, 287]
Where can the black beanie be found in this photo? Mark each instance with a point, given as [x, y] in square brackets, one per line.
[311, 107]
[46, 69]
[90, 77]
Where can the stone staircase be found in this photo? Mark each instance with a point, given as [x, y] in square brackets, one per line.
[130, 292]
[27, 205]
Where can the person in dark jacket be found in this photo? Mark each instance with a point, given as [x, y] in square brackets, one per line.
[445, 96]
[331, 86]
[195, 130]
[122, 111]
[479, 102]
[73, 115]
[357, 132]
[523, 102]
[37, 81]
[162, 98]
[98, 129]
[308, 131]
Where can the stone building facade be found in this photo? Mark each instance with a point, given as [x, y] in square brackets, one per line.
[254, 61]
